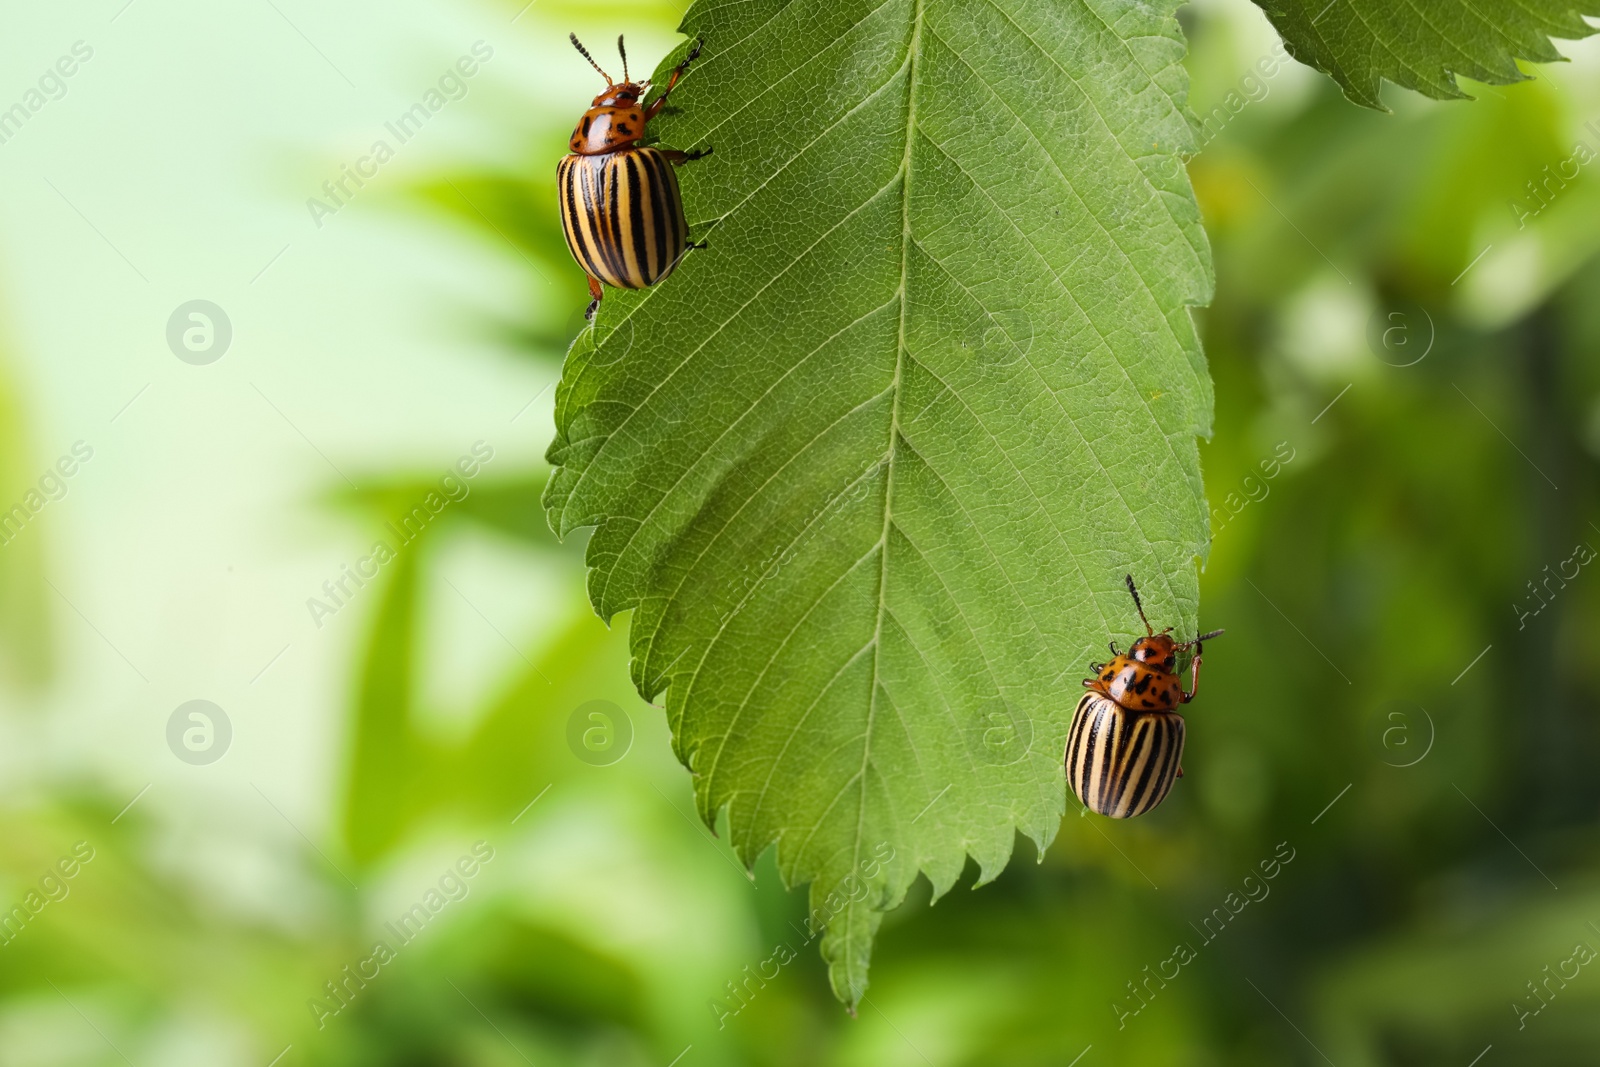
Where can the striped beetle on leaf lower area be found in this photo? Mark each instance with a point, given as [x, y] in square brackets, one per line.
[1125, 747]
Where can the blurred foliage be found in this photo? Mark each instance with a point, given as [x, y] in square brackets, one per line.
[1376, 591]
[24, 636]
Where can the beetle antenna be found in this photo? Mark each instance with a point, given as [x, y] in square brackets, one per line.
[585, 52]
[624, 53]
[1138, 604]
[1202, 637]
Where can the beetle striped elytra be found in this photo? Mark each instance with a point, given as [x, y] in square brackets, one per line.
[1125, 746]
[621, 209]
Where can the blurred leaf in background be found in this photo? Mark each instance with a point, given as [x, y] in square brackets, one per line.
[24, 625]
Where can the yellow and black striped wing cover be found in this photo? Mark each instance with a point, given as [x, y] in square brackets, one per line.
[623, 216]
[1122, 763]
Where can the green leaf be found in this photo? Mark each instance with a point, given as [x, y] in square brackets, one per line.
[1424, 44]
[870, 469]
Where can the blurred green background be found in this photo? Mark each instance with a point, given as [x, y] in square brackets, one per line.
[1399, 726]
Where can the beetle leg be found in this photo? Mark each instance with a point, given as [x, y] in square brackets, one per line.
[661, 101]
[1194, 674]
[1180, 770]
[678, 159]
[596, 292]
[1114, 652]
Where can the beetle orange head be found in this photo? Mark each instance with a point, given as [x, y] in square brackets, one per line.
[1156, 651]
[615, 119]
[622, 94]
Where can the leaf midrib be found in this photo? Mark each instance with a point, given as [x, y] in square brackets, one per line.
[910, 66]
[913, 48]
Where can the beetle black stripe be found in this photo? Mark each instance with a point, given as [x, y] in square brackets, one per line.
[678, 231]
[622, 215]
[665, 210]
[600, 190]
[577, 207]
[1085, 755]
[1108, 738]
[651, 246]
[1075, 743]
[595, 221]
[1166, 735]
[670, 228]
[577, 179]
[639, 220]
[680, 222]
[1151, 784]
[1102, 745]
[1136, 755]
[617, 191]
[1153, 747]
[674, 223]
[582, 223]
[1150, 749]
[609, 191]
[1087, 727]
[1122, 763]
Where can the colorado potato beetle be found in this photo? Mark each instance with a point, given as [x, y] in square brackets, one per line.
[621, 208]
[1125, 747]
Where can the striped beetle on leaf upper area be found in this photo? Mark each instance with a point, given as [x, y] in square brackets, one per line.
[621, 209]
[1125, 747]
